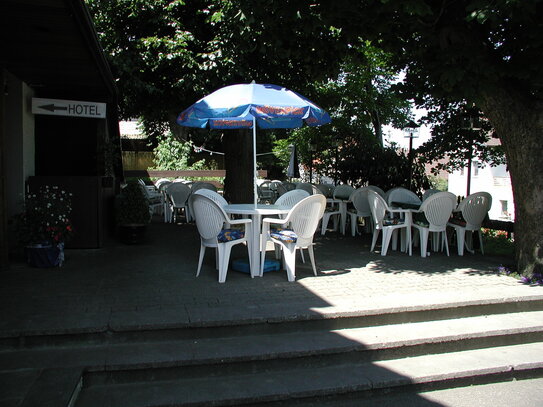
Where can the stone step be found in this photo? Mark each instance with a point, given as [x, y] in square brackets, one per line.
[300, 382]
[275, 320]
[369, 343]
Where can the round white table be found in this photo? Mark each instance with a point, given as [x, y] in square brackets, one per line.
[256, 214]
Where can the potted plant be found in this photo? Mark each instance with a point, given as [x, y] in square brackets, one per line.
[45, 226]
[132, 213]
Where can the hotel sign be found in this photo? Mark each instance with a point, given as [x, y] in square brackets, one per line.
[73, 108]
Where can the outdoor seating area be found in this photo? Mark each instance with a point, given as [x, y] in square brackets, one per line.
[282, 221]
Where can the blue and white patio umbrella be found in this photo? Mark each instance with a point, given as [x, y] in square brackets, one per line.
[251, 105]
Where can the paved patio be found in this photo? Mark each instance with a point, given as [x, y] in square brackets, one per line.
[153, 285]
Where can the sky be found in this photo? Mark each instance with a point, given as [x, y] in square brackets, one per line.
[392, 134]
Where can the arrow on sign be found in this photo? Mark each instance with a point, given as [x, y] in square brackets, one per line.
[53, 107]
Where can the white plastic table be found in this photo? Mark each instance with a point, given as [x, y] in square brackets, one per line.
[256, 214]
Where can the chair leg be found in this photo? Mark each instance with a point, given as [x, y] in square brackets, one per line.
[353, 219]
[289, 256]
[468, 241]
[223, 251]
[324, 223]
[312, 258]
[423, 241]
[201, 259]
[481, 241]
[460, 237]
[445, 241]
[387, 234]
[374, 239]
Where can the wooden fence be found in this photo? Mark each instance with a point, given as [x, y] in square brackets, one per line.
[205, 174]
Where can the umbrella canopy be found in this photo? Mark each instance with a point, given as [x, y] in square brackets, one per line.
[250, 105]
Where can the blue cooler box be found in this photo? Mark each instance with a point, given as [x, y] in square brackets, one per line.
[243, 265]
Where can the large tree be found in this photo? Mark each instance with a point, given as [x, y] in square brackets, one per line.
[485, 53]
[167, 54]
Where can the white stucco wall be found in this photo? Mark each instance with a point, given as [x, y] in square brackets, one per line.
[494, 180]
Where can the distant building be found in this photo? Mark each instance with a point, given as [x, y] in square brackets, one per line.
[494, 180]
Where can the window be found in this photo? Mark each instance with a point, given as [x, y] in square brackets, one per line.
[505, 209]
[475, 168]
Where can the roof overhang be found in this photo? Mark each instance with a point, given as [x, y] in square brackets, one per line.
[52, 46]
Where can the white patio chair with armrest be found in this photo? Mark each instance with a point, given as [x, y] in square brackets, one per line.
[403, 195]
[203, 185]
[361, 209]
[265, 193]
[154, 198]
[326, 189]
[473, 209]
[429, 192]
[210, 221]
[291, 198]
[215, 196]
[305, 186]
[342, 191]
[177, 195]
[388, 225]
[437, 210]
[296, 231]
[377, 189]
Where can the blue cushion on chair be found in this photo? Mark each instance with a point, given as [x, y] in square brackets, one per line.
[284, 235]
[228, 235]
[391, 222]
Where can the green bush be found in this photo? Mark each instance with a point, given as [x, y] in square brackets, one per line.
[132, 206]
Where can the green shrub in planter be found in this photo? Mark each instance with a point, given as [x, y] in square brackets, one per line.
[132, 206]
[132, 213]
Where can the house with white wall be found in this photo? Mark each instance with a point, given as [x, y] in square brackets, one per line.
[494, 180]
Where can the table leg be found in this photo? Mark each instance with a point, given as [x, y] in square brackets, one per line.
[343, 214]
[255, 249]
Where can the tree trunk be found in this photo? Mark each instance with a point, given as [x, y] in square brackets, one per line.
[518, 120]
[238, 159]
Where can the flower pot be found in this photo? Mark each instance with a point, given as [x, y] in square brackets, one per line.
[133, 233]
[45, 255]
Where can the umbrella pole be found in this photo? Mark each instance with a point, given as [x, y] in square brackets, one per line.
[255, 192]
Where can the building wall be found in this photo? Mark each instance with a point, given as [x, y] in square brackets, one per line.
[19, 152]
[494, 180]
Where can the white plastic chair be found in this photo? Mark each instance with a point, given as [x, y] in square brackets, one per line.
[210, 220]
[428, 193]
[305, 186]
[343, 192]
[265, 193]
[389, 226]
[177, 195]
[291, 198]
[326, 189]
[437, 210]
[359, 198]
[377, 189]
[402, 195]
[215, 196]
[296, 231]
[474, 209]
[203, 185]
[155, 198]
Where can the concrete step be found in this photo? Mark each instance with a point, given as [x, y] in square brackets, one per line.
[299, 382]
[276, 319]
[369, 343]
[158, 358]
